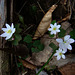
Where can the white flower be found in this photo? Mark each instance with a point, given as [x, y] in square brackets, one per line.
[8, 32]
[60, 54]
[66, 43]
[54, 28]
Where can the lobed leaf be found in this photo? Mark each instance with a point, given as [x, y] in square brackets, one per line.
[72, 34]
[35, 50]
[61, 33]
[53, 46]
[40, 47]
[28, 39]
[36, 43]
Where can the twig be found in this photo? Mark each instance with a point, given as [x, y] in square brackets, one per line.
[27, 29]
[22, 7]
[40, 7]
[57, 2]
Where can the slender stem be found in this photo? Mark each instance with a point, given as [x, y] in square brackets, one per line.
[46, 63]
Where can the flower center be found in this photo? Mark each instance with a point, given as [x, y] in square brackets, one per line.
[64, 41]
[9, 31]
[54, 28]
[60, 53]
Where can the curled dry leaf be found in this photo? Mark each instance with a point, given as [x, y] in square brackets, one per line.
[45, 22]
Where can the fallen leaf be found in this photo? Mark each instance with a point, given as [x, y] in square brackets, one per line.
[27, 64]
[68, 69]
[44, 24]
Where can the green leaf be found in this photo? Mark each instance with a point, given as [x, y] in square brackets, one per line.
[36, 43]
[28, 39]
[19, 57]
[35, 50]
[61, 33]
[53, 46]
[21, 19]
[18, 37]
[72, 34]
[17, 25]
[54, 21]
[34, 8]
[18, 29]
[29, 45]
[15, 42]
[40, 47]
[19, 64]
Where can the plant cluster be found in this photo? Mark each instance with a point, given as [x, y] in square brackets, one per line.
[12, 33]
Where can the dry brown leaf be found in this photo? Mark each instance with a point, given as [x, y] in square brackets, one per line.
[68, 69]
[27, 64]
[45, 22]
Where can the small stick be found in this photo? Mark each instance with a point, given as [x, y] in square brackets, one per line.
[40, 7]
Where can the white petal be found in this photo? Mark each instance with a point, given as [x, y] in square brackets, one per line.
[51, 25]
[64, 50]
[57, 51]
[58, 26]
[3, 35]
[13, 31]
[49, 29]
[57, 30]
[63, 56]
[69, 47]
[60, 49]
[71, 40]
[59, 40]
[51, 32]
[7, 25]
[66, 37]
[61, 45]
[58, 57]
[55, 24]
[55, 54]
[4, 29]
[12, 25]
[8, 37]
[54, 32]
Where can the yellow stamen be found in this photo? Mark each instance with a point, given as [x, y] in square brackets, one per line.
[54, 28]
[9, 31]
[64, 41]
[60, 53]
